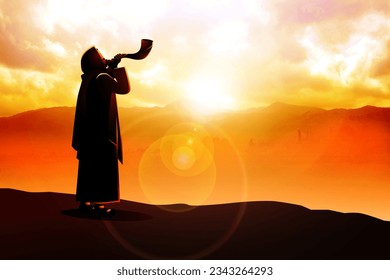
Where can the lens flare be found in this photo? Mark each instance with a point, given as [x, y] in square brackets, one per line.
[183, 158]
[182, 167]
[187, 150]
[179, 167]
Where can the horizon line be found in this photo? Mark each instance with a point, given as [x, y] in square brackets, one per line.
[178, 102]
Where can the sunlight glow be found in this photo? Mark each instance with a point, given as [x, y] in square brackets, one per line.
[208, 95]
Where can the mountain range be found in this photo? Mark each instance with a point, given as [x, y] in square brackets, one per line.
[323, 159]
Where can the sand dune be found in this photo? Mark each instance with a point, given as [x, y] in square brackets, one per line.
[47, 226]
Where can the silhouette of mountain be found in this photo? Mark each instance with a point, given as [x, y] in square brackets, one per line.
[48, 226]
[334, 159]
[288, 109]
[58, 121]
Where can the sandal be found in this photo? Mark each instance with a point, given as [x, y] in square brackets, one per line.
[86, 208]
[106, 212]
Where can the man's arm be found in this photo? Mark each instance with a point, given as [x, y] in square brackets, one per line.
[119, 84]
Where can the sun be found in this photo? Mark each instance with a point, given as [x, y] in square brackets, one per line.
[208, 95]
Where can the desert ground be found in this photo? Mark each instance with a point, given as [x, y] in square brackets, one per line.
[47, 226]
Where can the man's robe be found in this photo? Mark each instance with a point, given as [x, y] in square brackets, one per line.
[96, 135]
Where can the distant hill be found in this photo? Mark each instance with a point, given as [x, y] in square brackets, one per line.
[64, 115]
[331, 159]
[47, 226]
[58, 121]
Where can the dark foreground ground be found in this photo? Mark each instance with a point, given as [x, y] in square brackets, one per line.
[48, 226]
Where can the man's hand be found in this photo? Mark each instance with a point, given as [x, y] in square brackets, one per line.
[113, 63]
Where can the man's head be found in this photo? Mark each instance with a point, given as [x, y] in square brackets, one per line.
[92, 59]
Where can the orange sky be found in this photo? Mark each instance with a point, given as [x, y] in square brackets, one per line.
[217, 54]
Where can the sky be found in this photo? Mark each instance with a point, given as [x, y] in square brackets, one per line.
[213, 55]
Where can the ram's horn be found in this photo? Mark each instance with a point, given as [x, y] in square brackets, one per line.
[146, 47]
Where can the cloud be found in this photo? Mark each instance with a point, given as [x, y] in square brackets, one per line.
[319, 11]
[320, 52]
[17, 43]
[32, 90]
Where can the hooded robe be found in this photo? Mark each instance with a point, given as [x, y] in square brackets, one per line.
[96, 135]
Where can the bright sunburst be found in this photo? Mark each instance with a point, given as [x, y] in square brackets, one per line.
[207, 95]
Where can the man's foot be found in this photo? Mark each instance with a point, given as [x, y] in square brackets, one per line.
[86, 207]
[106, 212]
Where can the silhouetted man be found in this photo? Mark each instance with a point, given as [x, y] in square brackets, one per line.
[96, 132]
